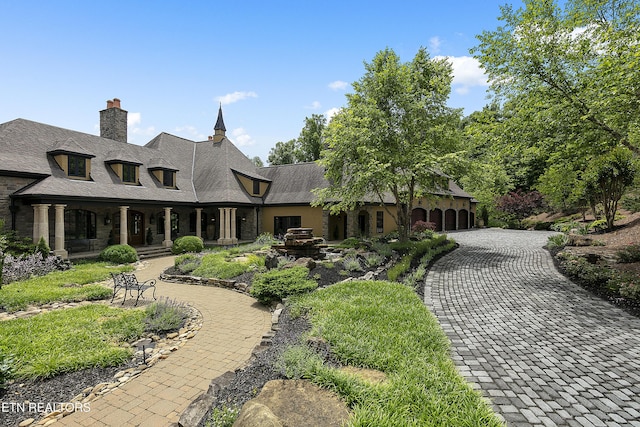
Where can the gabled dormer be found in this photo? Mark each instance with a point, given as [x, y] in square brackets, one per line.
[73, 159]
[163, 171]
[125, 166]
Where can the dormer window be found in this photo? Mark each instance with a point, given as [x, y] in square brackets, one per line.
[164, 172]
[124, 165]
[168, 178]
[72, 158]
[77, 166]
[129, 173]
[256, 187]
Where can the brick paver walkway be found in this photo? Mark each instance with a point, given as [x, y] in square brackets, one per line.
[233, 325]
[545, 351]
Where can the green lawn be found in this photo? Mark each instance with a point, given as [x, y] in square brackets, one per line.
[385, 326]
[61, 341]
[76, 284]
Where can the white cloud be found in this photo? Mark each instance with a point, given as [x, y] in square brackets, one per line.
[338, 85]
[133, 124]
[330, 113]
[314, 106]
[190, 132]
[241, 138]
[467, 73]
[134, 119]
[434, 44]
[230, 98]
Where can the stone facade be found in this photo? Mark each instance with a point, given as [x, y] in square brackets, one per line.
[8, 186]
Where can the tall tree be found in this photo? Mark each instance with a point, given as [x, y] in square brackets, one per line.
[581, 63]
[393, 138]
[283, 153]
[310, 141]
[257, 161]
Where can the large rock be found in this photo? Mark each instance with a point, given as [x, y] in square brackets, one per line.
[294, 403]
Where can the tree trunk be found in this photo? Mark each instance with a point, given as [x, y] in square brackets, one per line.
[403, 222]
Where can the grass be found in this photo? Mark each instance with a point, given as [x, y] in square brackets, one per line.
[384, 326]
[221, 266]
[77, 284]
[69, 340]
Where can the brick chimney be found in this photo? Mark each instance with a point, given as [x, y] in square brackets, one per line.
[113, 121]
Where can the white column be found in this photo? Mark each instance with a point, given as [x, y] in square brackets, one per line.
[457, 219]
[199, 222]
[167, 242]
[43, 224]
[232, 223]
[36, 223]
[59, 232]
[124, 228]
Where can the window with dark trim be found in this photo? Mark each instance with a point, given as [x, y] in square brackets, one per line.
[80, 224]
[282, 223]
[77, 166]
[256, 186]
[167, 178]
[129, 173]
[379, 221]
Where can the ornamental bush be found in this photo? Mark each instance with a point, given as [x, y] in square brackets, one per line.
[274, 285]
[24, 266]
[165, 316]
[186, 244]
[119, 254]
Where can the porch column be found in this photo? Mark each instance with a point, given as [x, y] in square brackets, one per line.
[36, 223]
[199, 222]
[167, 242]
[124, 228]
[225, 226]
[59, 232]
[457, 219]
[43, 223]
[222, 236]
[232, 221]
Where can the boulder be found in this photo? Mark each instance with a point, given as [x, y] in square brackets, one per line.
[294, 403]
[256, 414]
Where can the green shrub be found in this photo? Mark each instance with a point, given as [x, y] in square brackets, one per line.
[165, 316]
[557, 241]
[223, 416]
[186, 263]
[351, 242]
[629, 254]
[119, 254]
[352, 263]
[187, 244]
[43, 248]
[373, 259]
[6, 370]
[274, 285]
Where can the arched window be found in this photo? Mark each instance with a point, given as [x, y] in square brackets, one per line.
[79, 224]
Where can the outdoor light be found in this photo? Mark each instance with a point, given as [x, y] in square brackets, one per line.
[107, 220]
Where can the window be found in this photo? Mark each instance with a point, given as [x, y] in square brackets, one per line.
[167, 178]
[80, 224]
[129, 173]
[77, 166]
[379, 221]
[282, 223]
[256, 186]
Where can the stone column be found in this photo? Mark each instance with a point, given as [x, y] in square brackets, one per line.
[36, 223]
[457, 219]
[167, 242]
[222, 236]
[43, 224]
[232, 223]
[59, 232]
[124, 227]
[199, 222]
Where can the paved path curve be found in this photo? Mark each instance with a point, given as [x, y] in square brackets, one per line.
[545, 351]
[233, 325]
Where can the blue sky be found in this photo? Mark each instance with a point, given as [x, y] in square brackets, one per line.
[172, 63]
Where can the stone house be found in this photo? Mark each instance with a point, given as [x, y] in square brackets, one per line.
[82, 192]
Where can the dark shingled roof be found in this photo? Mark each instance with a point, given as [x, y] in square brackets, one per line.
[207, 171]
[292, 184]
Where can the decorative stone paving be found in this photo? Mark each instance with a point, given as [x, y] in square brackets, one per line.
[542, 349]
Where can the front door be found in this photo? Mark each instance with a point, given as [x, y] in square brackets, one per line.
[136, 228]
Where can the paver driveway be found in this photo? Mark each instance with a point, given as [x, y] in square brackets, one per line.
[541, 348]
